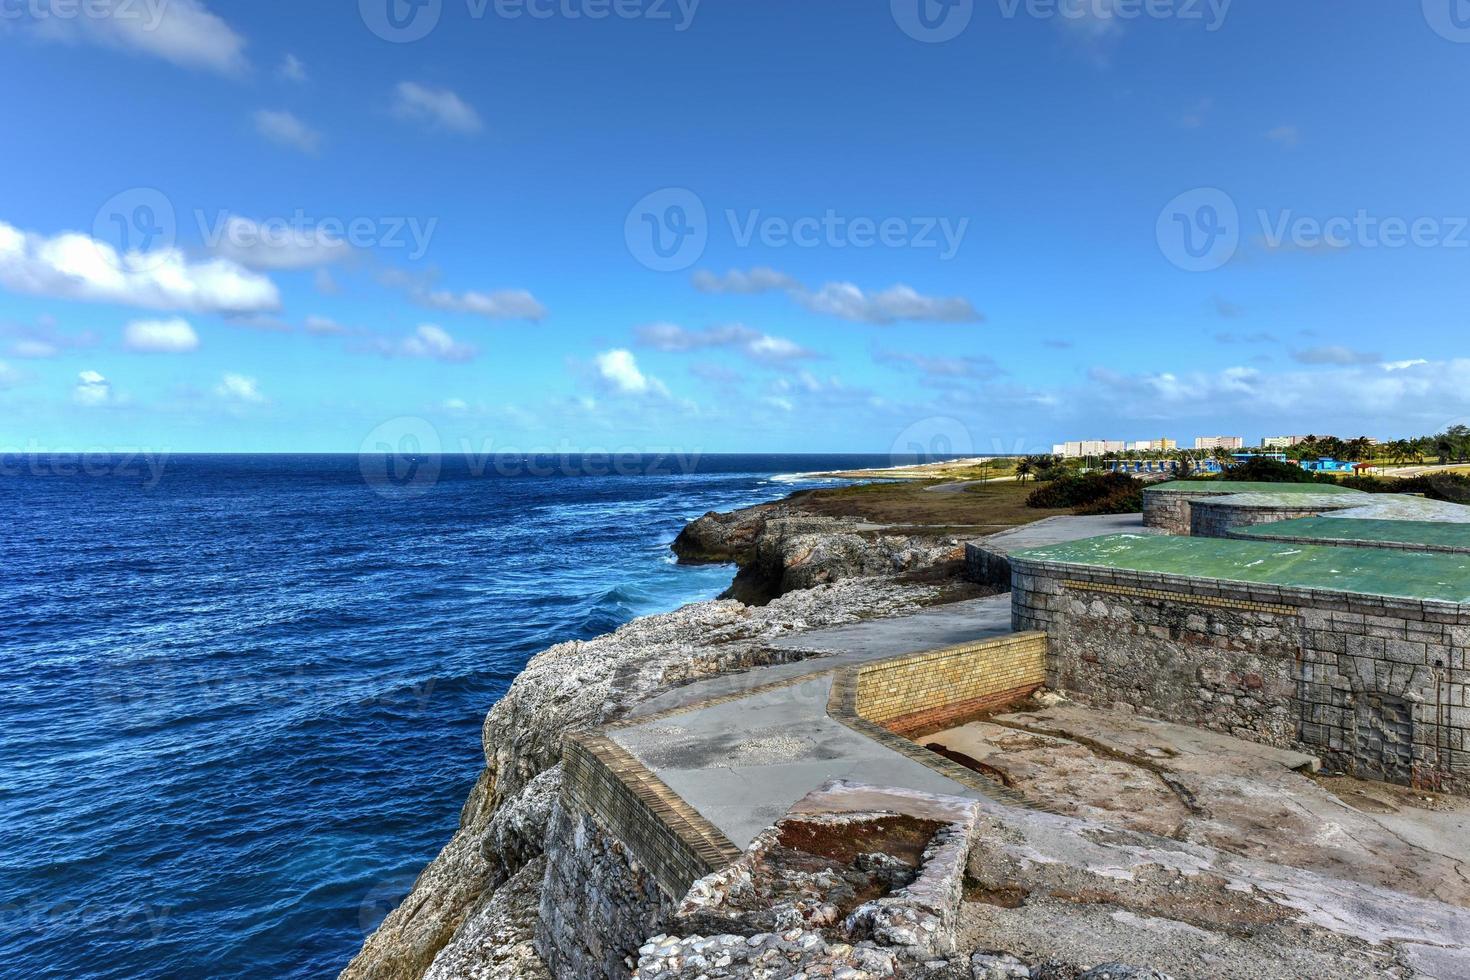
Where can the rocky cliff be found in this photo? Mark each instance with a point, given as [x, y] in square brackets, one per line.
[474, 911]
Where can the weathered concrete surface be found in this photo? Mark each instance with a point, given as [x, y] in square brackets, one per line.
[930, 629]
[1233, 795]
[986, 559]
[821, 650]
[742, 764]
[1074, 893]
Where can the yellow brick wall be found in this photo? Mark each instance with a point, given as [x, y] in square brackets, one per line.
[924, 689]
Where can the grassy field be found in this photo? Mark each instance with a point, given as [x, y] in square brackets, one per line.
[978, 509]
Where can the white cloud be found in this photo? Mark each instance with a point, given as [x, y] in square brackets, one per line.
[440, 108]
[182, 32]
[761, 279]
[429, 341]
[618, 369]
[287, 130]
[1285, 135]
[9, 376]
[325, 283]
[845, 300]
[323, 325]
[942, 369]
[174, 336]
[31, 348]
[1335, 354]
[78, 267]
[240, 389]
[92, 389]
[755, 345]
[292, 70]
[504, 304]
[274, 244]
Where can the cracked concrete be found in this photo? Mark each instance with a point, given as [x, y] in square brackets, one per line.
[1237, 796]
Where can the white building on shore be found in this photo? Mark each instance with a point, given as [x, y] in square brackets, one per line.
[1219, 442]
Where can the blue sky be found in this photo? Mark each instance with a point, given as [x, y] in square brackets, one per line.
[267, 227]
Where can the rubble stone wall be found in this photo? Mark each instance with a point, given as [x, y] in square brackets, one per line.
[1373, 685]
[928, 691]
[1217, 518]
[1169, 510]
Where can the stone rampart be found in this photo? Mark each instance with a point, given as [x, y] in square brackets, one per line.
[1374, 685]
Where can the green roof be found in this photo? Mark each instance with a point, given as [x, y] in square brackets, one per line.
[1371, 571]
[1245, 486]
[1440, 534]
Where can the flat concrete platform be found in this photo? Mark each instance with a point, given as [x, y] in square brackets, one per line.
[857, 643]
[743, 763]
[1059, 530]
[1192, 785]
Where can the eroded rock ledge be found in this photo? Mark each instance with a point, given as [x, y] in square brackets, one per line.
[780, 548]
[469, 912]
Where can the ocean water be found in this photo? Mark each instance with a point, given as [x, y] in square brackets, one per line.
[240, 698]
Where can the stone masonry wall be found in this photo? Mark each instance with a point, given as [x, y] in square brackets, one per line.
[987, 566]
[1372, 685]
[1169, 510]
[926, 692]
[1216, 519]
[598, 903]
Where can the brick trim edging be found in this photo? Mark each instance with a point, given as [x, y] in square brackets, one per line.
[662, 830]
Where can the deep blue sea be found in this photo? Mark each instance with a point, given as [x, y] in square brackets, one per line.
[241, 696]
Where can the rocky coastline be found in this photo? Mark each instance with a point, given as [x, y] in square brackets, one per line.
[477, 908]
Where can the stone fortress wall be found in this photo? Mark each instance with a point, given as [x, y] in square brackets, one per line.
[1373, 685]
[1217, 517]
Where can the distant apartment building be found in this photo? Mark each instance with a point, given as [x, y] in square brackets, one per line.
[1153, 446]
[1283, 442]
[1219, 442]
[1089, 447]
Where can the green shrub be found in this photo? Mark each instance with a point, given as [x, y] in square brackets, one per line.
[1085, 489]
[1124, 500]
[1451, 487]
[1262, 470]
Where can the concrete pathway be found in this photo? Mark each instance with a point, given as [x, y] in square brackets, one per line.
[856, 643]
